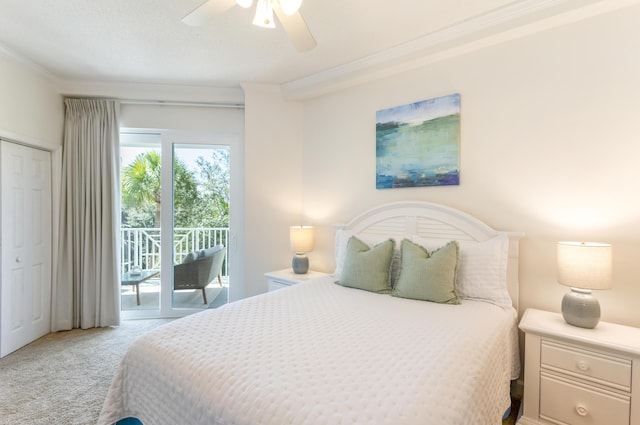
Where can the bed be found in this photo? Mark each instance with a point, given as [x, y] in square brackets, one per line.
[323, 352]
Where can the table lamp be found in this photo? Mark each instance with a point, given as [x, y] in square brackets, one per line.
[301, 238]
[583, 266]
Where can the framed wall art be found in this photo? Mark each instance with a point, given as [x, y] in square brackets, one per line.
[418, 144]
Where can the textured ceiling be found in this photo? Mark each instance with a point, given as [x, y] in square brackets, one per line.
[144, 41]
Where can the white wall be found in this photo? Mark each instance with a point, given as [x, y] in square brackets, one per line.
[273, 184]
[228, 121]
[31, 108]
[550, 146]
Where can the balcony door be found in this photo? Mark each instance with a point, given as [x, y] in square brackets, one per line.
[175, 237]
[200, 225]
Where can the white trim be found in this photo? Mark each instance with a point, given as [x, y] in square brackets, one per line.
[28, 141]
[513, 21]
[166, 139]
[184, 104]
[154, 93]
[16, 57]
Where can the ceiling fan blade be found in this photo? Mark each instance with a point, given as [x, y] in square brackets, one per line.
[207, 10]
[296, 28]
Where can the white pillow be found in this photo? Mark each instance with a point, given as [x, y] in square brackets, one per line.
[342, 238]
[482, 268]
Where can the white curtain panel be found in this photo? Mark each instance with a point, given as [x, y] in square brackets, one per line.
[86, 286]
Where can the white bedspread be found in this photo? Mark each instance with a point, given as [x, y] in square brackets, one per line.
[319, 353]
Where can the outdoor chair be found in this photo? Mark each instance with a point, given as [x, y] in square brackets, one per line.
[199, 268]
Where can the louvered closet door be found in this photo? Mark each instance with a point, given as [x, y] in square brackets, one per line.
[25, 294]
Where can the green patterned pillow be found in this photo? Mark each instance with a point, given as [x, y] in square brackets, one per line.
[367, 268]
[428, 276]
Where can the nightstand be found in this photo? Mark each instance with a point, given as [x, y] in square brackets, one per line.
[579, 376]
[286, 277]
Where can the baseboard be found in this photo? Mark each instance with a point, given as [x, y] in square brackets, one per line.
[526, 421]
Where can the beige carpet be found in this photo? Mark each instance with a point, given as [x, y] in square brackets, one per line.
[63, 378]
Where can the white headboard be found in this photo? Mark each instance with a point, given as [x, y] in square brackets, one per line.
[433, 221]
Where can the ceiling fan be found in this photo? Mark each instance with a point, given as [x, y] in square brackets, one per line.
[287, 12]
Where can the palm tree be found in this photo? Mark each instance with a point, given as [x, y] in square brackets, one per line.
[200, 197]
[141, 183]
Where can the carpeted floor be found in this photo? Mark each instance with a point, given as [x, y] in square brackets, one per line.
[63, 377]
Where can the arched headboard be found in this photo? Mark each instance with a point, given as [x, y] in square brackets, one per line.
[433, 221]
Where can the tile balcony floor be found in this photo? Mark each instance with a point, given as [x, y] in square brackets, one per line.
[149, 296]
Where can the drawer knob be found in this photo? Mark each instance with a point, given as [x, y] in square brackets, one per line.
[583, 366]
[581, 410]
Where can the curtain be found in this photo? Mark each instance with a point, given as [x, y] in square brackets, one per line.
[86, 286]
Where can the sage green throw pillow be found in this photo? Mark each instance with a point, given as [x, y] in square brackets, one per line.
[367, 268]
[428, 276]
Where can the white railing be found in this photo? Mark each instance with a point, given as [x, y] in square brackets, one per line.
[141, 246]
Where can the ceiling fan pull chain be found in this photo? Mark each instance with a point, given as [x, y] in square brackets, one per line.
[264, 14]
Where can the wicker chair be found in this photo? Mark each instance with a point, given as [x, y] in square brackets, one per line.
[198, 269]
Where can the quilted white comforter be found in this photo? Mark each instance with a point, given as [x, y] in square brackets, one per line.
[319, 353]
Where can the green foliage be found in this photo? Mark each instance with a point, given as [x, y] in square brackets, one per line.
[214, 190]
[186, 201]
[201, 198]
[141, 191]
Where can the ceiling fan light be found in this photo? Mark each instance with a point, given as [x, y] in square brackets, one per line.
[244, 3]
[264, 14]
[289, 7]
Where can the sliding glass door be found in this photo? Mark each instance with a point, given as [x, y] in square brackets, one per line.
[141, 204]
[200, 225]
[175, 223]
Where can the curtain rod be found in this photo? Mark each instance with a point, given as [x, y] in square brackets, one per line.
[179, 103]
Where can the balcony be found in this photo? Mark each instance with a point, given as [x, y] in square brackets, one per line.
[141, 247]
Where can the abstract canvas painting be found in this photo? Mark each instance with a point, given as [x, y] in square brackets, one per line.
[418, 144]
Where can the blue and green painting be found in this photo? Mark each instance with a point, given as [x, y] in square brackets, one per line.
[418, 144]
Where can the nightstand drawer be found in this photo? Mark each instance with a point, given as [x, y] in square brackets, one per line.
[273, 285]
[591, 365]
[283, 278]
[569, 402]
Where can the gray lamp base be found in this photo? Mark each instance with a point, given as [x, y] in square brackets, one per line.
[580, 308]
[300, 264]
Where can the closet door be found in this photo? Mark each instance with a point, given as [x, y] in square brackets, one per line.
[25, 293]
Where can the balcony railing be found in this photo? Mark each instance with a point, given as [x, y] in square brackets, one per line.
[141, 246]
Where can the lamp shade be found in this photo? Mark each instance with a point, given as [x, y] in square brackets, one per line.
[585, 265]
[301, 238]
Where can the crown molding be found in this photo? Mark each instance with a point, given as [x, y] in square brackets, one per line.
[17, 58]
[516, 20]
[156, 94]
[513, 21]
[138, 93]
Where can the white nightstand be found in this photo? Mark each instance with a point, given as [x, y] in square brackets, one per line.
[579, 376]
[286, 277]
